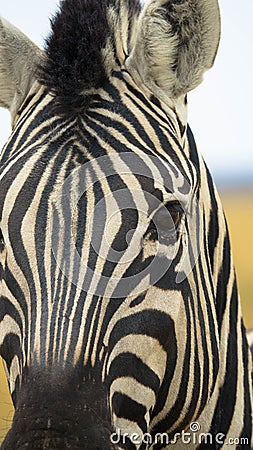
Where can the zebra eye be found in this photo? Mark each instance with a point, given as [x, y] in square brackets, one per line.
[168, 219]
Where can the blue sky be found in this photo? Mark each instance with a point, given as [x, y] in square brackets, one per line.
[220, 110]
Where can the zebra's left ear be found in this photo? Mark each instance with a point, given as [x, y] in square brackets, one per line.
[18, 63]
[176, 42]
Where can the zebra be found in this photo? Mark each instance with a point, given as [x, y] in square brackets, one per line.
[120, 321]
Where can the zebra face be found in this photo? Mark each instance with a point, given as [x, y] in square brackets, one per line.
[93, 248]
[115, 270]
[97, 256]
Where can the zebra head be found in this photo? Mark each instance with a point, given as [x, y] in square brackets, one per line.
[119, 313]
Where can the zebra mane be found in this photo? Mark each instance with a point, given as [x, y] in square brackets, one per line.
[88, 39]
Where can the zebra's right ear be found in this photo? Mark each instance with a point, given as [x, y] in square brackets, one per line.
[175, 42]
[18, 63]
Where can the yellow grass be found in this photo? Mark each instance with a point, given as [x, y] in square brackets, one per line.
[238, 208]
[239, 212]
[6, 408]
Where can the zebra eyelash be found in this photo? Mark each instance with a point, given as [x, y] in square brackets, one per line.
[167, 220]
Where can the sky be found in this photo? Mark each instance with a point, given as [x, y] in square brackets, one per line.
[220, 109]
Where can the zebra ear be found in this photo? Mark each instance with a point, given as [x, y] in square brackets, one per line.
[176, 42]
[18, 63]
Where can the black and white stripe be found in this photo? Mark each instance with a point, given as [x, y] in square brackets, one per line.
[81, 358]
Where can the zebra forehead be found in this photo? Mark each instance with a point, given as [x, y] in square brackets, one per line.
[134, 170]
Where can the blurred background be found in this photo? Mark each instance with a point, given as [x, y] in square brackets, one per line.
[220, 114]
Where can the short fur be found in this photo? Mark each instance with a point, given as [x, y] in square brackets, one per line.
[74, 62]
[177, 42]
[79, 48]
[18, 63]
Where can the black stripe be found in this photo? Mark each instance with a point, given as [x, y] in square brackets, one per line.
[11, 347]
[213, 232]
[226, 403]
[124, 407]
[223, 280]
[7, 308]
[129, 365]
[18, 294]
